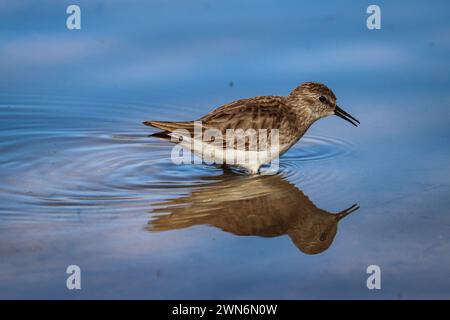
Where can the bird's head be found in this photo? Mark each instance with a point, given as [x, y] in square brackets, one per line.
[319, 101]
[316, 234]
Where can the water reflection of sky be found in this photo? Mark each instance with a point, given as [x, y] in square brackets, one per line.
[395, 80]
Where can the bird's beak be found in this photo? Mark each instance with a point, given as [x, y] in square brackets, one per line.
[344, 115]
[346, 212]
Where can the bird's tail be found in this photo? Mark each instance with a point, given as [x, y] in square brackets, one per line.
[169, 125]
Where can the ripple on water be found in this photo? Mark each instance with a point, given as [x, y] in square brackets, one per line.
[313, 149]
[79, 160]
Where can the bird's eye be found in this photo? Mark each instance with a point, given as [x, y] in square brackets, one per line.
[323, 236]
[322, 99]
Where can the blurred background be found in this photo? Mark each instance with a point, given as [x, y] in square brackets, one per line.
[80, 179]
[190, 51]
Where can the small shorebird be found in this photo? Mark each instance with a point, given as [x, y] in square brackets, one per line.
[289, 116]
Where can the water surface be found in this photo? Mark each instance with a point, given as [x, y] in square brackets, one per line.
[82, 182]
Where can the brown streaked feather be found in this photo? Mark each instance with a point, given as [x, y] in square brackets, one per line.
[263, 112]
[170, 125]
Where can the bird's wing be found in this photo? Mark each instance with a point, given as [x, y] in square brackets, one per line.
[170, 126]
[259, 113]
[254, 113]
[264, 112]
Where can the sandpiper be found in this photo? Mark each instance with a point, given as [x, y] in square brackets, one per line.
[289, 116]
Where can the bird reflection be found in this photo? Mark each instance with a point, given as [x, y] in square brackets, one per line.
[266, 206]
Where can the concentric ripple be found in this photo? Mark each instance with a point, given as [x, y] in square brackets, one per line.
[76, 160]
[313, 149]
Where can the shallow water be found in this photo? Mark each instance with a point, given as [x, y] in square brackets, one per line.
[82, 182]
[54, 155]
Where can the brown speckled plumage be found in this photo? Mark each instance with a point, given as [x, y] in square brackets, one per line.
[263, 112]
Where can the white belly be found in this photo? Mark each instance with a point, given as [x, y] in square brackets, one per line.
[249, 160]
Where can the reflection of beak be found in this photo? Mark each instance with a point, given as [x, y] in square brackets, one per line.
[344, 115]
[346, 212]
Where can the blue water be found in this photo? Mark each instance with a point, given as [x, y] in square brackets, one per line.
[81, 181]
